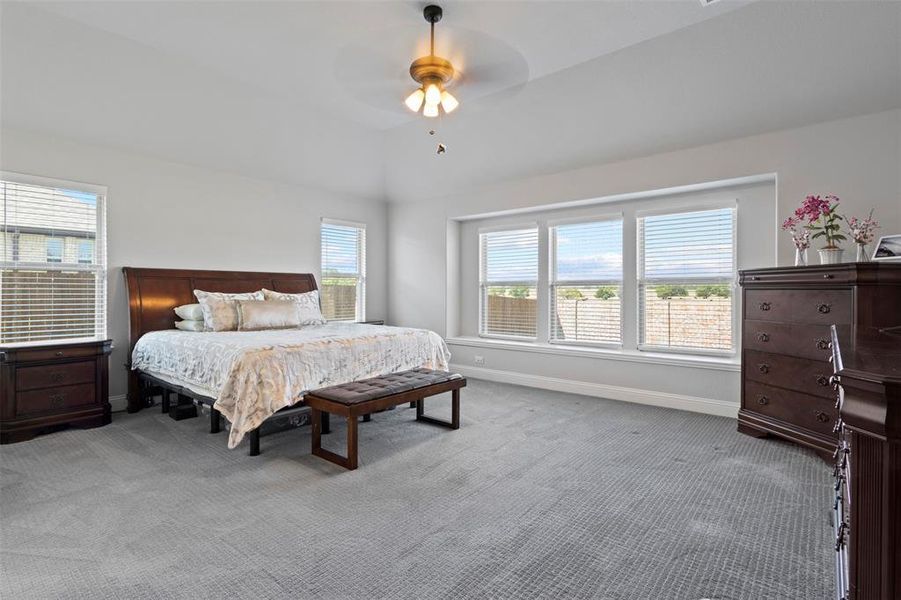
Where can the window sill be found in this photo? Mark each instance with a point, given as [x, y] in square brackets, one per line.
[657, 358]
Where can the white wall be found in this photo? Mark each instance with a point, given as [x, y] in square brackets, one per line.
[163, 214]
[857, 159]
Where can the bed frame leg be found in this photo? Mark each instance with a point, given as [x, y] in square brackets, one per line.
[254, 442]
[164, 400]
[214, 420]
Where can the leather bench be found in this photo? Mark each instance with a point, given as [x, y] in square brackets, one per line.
[362, 398]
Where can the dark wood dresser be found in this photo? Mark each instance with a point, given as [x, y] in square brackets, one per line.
[787, 314]
[49, 385]
[867, 502]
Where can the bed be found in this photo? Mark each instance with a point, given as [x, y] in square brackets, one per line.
[250, 375]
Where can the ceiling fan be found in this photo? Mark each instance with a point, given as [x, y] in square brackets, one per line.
[432, 73]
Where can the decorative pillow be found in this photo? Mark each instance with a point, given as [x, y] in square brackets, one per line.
[190, 325]
[219, 310]
[189, 312]
[307, 305]
[254, 315]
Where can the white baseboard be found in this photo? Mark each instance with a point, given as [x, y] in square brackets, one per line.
[708, 406]
[119, 402]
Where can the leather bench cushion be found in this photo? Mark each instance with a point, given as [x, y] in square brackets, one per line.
[364, 390]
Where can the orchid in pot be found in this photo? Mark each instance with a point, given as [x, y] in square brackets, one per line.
[819, 216]
[862, 231]
[800, 238]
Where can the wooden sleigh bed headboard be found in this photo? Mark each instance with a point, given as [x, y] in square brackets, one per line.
[153, 295]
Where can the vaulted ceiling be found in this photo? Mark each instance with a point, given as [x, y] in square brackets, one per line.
[310, 92]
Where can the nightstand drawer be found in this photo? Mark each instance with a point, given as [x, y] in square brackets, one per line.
[53, 375]
[800, 374]
[55, 399]
[810, 412]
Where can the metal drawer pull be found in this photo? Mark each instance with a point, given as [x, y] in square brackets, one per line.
[763, 368]
[762, 336]
[822, 417]
[57, 400]
[823, 344]
[764, 306]
[828, 276]
[762, 400]
[56, 377]
[824, 308]
[834, 382]
[823, 380]
[59, 353]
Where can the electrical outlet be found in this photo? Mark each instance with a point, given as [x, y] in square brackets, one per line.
[479, 359]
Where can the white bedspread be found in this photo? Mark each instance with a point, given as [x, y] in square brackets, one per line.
[252, 374]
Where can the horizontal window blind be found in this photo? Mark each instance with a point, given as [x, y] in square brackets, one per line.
[53, 269]
[509, 283]
[686, 275]
[586, 282]
[343, 285]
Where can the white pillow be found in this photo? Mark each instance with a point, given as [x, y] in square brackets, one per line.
[254, 315]
[189, 325]
[219, 310]
[307, 305]
[189, 312]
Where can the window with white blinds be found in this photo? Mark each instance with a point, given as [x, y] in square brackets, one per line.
[508, 283]
[53, 269]
[343, 281]
[686, 275]
[586, 276]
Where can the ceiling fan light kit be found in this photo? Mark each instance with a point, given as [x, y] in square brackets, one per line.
[432, 73]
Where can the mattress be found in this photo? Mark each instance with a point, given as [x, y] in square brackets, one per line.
[253, 374]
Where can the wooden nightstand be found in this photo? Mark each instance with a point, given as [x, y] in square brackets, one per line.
[48, 385]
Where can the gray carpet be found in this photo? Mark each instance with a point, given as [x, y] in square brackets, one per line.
[539, 495]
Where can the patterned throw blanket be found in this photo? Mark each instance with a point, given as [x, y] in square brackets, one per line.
[253, 374]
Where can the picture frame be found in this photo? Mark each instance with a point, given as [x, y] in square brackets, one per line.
[888, 248]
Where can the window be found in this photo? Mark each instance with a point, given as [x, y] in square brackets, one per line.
[686, 273]
[54, 250]
[586, 274]
[85, 252]
[508, 283]
[343, 294]
[44, 293]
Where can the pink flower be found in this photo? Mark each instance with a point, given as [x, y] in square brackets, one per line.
[790, 223]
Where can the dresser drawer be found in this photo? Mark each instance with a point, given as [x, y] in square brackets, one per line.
[799, 276]
[799, 374]
[768, 305]
[56, 353]
[805, 341]
[810, 412]
[813, 306]
[56, 399]
[44, 376]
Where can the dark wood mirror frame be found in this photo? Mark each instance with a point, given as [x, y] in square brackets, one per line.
[154, 293]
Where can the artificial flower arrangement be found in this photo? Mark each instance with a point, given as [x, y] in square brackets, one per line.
[818, 217]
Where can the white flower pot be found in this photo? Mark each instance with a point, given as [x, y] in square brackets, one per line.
[831, 256]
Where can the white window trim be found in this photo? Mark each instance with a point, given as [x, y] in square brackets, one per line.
[551, 226]
[360, 308]
[731, 282]
[484, 284]
[100, 249]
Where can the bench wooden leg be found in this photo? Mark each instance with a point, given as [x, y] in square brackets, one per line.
[413, 404]
[454, 423]
[215, 420]
[254, 442]
[367, 417]
[350, 461]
